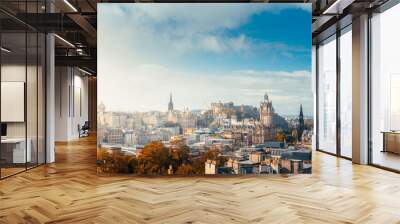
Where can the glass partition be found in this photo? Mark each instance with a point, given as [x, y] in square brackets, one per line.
[22, 98]
[13, 89]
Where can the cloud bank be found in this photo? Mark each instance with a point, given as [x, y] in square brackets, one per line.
[198, 52]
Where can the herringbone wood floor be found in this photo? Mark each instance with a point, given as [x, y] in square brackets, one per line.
[69, 191]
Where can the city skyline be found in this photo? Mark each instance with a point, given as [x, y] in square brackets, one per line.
[183, 108]
[225, 139]
[219, 58]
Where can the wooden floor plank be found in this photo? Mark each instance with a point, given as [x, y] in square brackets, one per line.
[70, 191]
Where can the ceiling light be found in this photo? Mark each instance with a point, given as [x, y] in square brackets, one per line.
[84, 71]
[65, 41]
[333, 6]
[5, 50]
[79, 51]
[338, 6]
[70, 5]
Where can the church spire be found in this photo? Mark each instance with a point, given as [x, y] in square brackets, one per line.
[170, 104]
[301, 110]
[300, 125]
[266, 97]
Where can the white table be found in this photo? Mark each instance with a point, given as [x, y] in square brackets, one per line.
[18, 148]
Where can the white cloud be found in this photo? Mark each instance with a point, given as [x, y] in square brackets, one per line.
[280, 74]
[218, 44]
[185, 28]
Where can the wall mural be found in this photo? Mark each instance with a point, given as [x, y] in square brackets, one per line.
[204, 89]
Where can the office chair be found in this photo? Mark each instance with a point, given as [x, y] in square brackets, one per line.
[84, 130]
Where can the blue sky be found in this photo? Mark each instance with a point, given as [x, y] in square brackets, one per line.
[204, 53]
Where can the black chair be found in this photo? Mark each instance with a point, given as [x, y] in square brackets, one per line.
[84, 130]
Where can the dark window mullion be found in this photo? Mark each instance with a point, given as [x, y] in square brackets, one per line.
[317, 97]
[26, 86]
[369, 100]
[37, 90]
[0, 94]
[338, 80]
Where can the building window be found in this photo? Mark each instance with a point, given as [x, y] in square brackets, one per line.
[346, 92]
[327, 95]
[385, 89]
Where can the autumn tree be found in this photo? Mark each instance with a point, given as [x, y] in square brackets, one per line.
[214, 154]
[115, 162]
[179, 154]
[198, 165]
[280, 137]
[185, 169]
[104, 161]
[154, 159]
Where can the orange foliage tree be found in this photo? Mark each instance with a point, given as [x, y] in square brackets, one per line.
[280, 137]
[154, 159]
[115, 162]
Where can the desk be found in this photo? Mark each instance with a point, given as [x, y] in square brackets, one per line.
[391, 141]
[13, 150]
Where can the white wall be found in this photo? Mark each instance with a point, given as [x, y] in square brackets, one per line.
[71, 102]
[81, 103]
[12, 73]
